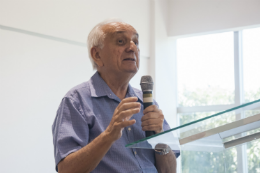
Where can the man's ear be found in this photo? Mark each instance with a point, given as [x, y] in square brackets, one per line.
[95, 53]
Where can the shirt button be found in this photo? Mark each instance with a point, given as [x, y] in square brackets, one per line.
[135, 153]
[129, 128]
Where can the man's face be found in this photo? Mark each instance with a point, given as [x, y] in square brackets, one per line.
[120, 53]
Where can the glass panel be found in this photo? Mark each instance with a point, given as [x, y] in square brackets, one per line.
[251, 62]
[206, 124]
[249, 113]
[208, 153]
[198, 129]
[202, 63]
[239, 135]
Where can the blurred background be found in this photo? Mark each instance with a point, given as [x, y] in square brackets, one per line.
[203, 55]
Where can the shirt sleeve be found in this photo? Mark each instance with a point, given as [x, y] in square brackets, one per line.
[70, 129]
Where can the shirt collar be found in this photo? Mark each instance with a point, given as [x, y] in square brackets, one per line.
[132, 93]
[99, 88]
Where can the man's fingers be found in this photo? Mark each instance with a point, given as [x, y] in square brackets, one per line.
[127, 114]
[120, 125]
[152, 128]
[128, 99]
[127, 106]
[152, 122]
[152, 115]
[128, 123]
[152, 108]
[148, 116]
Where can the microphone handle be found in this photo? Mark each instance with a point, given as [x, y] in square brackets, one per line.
[148, 133]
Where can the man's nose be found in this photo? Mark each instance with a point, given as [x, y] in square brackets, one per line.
[132, 47]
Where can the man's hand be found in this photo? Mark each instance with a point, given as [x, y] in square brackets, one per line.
[153, 119]
[124, 111]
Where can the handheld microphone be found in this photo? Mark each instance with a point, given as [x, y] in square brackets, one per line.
[147, 89]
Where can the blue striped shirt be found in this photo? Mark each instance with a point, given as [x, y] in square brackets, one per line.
[84, 113]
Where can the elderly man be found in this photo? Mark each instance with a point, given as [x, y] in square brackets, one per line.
[96, 119]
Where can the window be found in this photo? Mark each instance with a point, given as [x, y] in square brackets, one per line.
[216, 72]
[251, 59]
[202, 63]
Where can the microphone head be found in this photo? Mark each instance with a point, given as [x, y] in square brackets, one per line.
[147, 83]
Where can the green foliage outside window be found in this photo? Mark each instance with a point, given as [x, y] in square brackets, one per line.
[253, 148]
[206, 96]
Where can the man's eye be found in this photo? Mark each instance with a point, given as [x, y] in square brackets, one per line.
[120, 41]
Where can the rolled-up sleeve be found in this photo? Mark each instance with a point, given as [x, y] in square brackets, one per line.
[70, 129]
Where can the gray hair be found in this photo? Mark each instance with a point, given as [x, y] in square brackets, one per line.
[96, 38]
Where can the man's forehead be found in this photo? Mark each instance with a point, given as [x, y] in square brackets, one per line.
[122, 32]
[118, 28]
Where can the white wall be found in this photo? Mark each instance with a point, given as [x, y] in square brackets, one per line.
[36, 71]
[73, 19]
[35, 75]
[189, 17]
[163, 62]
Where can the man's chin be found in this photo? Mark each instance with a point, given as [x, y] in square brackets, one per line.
[132, 71]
